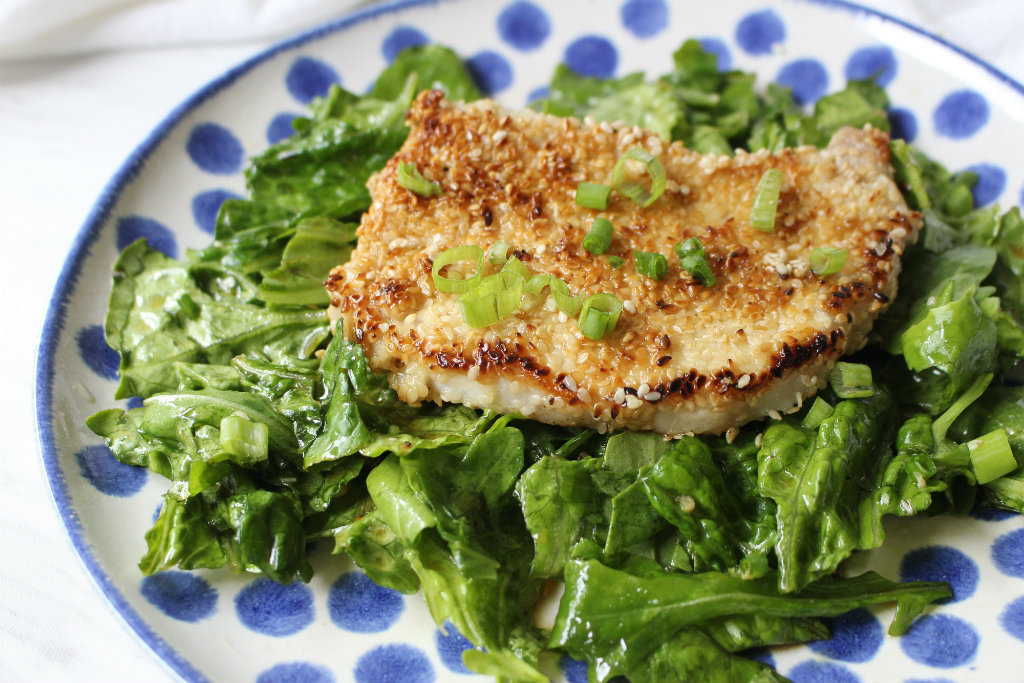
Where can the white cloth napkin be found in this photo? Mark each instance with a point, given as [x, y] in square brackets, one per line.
[46, 28]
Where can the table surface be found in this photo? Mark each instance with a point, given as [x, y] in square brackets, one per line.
[66, 124]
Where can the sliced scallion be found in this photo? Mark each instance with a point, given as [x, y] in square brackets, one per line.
[818, 411]
[766, 200]
[827, 260]
[599, 315]
[467, 252]
[498, 252]
[694, 261]
[566, 302]
[636, 190]
[851, 380]
[615, 262]
[599, 238]
[410, 178]
[243, 440]
[650, 264]
[498, 296]
[516, 267]
[593, 195]
[991, 456]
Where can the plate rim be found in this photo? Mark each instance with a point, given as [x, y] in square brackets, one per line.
[98, 214]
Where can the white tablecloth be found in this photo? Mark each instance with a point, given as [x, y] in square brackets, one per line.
[60, 141]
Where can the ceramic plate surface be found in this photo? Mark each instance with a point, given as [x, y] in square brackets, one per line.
[340, 627]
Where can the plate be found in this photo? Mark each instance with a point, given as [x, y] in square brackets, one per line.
[340, 627]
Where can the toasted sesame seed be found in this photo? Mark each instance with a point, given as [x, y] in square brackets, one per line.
[652, 396]
[583, 395]
[569, 383]
[632, 402]
[743, 381]
[619, 396]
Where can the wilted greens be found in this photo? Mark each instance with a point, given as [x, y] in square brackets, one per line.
[677, 556]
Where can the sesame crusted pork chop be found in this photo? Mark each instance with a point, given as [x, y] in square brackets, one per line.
[683, 358]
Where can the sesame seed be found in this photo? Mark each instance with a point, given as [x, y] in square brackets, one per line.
[652, 396]
[643, 389]
[686, 503]
[730, 434]
[774, 414]
[619, 396]
[583, 395]
[632, 402]
[743, 381]
[569, 383]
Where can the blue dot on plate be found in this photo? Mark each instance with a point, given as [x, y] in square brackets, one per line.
[134, 402]
[856, 637]
[450, 645]
[593, 56]
[491, 72]
[1008, 553]
[940, 640]
[280, 127]
[1012, 618]
[961, 114]
[942, 563]
[310, 78]
[110, 476]
[813, 671]
[902, 124]
[574, 670]
[645, 18]
[296, 672]
[991, 183]
[807, 78]
[524, 26]
[206, 206]
[719, 49]
[396, 662]
[96, 353]
[215, 149]
[180, 595]
[538, 93]
[357, 604]
[875, 62]
[758, 32]
[401, 38]
[159, 236]
[987, 513]
[271, 608]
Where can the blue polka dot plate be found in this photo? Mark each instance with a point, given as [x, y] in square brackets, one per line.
[342, 627]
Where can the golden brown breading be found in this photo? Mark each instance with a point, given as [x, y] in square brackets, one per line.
[684, 357]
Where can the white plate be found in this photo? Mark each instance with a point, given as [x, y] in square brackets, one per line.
[216, 626]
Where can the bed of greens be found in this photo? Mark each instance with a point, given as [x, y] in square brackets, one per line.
[677, 556]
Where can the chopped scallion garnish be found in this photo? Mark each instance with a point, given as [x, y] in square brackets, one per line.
[468, 252]
[516, 267]
[650, 264]
[599, 238]
[991, 456]
[244, 439]
[633, 189]
[593, 195]
[410, 178]
[851, 380]
[498, 252]
[566, 302]
[694, 261]
[827, 260]
[615, 262]
[766, 200]
[819, 410]
[498, 296]
[599, 315]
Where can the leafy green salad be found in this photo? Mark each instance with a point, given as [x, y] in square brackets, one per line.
[678, 557]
